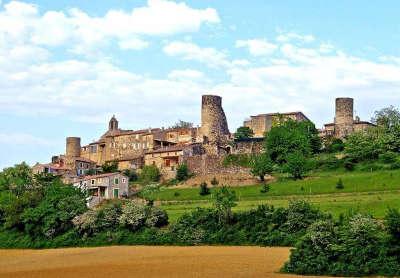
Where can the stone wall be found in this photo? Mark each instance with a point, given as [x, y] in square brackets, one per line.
[249, 146]
[210, 164]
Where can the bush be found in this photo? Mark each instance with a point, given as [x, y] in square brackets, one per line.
[182, 172]
[265, 188]
[131, 174]
[335, 146]
[156, 217]
[110, 166]
[339, 184]
[327, 162]
[242, 160]
[349, 164]
[204, 190]
[133, 216]
[150, 173]
[214, 181]
[388, 157]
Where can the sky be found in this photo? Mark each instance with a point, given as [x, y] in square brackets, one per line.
[67, 66]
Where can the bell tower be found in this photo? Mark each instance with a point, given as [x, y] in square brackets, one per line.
[113, 124]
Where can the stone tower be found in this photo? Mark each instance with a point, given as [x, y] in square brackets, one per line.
[73, 147]
[214, 127]
[344, 117]
[113, 124]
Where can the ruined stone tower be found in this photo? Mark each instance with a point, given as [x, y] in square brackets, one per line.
[214, 127]
[344, 117]
[73, 147]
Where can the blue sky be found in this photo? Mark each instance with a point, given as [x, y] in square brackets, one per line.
[67, 66]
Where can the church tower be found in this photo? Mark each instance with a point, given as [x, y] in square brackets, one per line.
[113, 124]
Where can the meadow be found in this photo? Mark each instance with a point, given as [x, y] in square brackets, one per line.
[367, 192]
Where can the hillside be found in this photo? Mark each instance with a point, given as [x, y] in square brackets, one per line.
[367, 192]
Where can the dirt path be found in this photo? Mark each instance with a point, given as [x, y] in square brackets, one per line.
[144, 261]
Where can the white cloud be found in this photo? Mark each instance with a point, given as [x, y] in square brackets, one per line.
[190, 51]
[257, 47]
[187, 74]
[286, 37]
[23, 139]
[21, 22]
[133, 43]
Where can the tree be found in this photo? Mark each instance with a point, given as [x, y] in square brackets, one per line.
[387, 118]
[54, 213]
[182, 124]
[261, 165]
[204, 190]
[339, 184]
[150, 173]
[291, 136]
[131, 174]
[182, 172]
[243, 132]
[297, 165]
[224, 200]
[110, 166]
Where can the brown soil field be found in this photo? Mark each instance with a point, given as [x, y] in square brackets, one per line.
[145, 261]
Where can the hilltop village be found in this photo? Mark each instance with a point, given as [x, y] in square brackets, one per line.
[200, 148]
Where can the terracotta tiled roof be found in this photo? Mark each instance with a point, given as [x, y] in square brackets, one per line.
[83, 159]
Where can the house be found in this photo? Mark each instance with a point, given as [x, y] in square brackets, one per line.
[103, 186]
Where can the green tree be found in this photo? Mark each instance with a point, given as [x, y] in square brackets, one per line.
[54, 213]
[243, 132]
[387, 118]
[110, 166]
[291, 136]
[261, 165]
[182, 172]
[131, 174]
[204, 190]
[224, 200]
[182, 124]
[296, 165]
[150, 173]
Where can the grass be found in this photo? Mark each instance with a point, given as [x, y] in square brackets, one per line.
[367, 192]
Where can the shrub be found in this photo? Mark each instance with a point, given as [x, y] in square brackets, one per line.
[86, 223]
[388, 157]
[335, 146]
[150, 173]
[339, 184]
[182, 172]
[110, 166]
[265, 188]
[349, 164]
[214, 181]
[204, 190]
[327, 162]
[131, 174]
[133, 216]
[156, 217]
[242, 160]
[224, 200]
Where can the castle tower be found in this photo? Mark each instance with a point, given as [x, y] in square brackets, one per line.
[214, 127]
[344, 117]
[113, 124]
[73, 147]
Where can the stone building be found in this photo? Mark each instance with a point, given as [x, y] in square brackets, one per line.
[264, 122]
[344, 122]
[103, 186]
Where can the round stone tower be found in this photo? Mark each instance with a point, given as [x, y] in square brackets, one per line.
[344, 117]
[73, 147]
[214, 127]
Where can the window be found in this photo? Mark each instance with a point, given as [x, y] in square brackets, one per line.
[123, 180]
[81, 165]
[167, 163]
[116, 181]
[154, 163]
[92, 182]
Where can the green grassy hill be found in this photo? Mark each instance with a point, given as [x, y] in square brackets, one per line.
[369, 192]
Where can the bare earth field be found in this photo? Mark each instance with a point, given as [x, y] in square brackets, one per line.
[144, 261]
